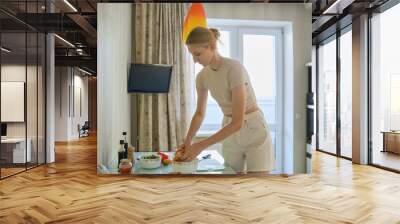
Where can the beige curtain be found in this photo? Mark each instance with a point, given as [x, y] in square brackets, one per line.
[163, 118]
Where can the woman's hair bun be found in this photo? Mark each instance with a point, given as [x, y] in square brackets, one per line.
[215, 32]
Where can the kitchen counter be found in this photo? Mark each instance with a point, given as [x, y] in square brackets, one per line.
[213, 165]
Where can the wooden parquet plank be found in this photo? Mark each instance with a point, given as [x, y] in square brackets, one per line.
[69, 191]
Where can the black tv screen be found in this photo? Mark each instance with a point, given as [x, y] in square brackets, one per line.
[3, 129]
[149, 78]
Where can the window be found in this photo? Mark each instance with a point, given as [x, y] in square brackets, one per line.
[327, 97]
[385, 86]
[259, 59]
[394, 101]
[334, 94]
[346, 94]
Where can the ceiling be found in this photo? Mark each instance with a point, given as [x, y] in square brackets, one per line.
[332, 15]
[76, 22]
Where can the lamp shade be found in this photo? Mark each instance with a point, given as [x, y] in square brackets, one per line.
[195, 17]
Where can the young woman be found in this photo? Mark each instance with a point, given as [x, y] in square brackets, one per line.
[245, 137]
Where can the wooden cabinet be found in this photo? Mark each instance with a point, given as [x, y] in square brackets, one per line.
[391, 142]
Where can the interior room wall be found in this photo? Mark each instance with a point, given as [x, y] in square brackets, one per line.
[297, 39]
[67, 115]
[32, 127]
[62, 80]
[114, 44]
[12, 73]
[79, 117]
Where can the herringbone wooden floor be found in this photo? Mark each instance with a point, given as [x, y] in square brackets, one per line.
[70, 191]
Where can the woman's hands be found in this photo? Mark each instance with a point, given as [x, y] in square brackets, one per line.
[186, 144]
[192, 151]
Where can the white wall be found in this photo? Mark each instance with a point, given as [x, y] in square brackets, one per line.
[12, 73]
[114, 43]
[297, 39]
[66, 121]
[61, 114]
[81, 82]
[33, 126]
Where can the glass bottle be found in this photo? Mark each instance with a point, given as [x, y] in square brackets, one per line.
[125, 145]
[121, 151]
[124, 136]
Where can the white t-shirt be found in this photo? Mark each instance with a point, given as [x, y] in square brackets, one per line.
[230, 74]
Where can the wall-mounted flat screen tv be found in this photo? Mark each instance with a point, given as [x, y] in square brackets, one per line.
[149, 78]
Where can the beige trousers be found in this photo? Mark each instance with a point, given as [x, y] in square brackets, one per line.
[249, 149]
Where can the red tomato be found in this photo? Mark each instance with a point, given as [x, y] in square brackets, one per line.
[163, 155]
